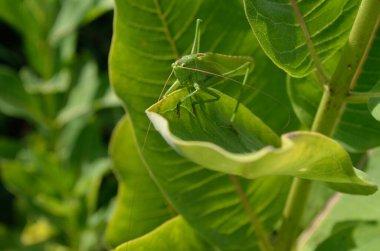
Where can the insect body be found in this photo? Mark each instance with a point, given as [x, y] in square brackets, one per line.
[199, 71]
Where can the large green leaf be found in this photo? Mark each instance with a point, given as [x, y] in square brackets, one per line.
[299, 35]
[82, 95]
[248, 148]
[132, 217]
[175, 234]
[149, 36]
[348, 222]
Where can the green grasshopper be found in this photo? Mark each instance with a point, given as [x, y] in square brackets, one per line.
[200, 71]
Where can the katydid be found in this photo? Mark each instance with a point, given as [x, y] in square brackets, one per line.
[199, 71]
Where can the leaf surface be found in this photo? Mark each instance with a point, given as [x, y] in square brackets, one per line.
[175, 234]
[14, 99]
[140, 206]
[299, 35]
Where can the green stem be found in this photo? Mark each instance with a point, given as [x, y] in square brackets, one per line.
[293, 211]
[329, 112]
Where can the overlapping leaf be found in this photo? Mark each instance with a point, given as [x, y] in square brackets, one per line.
[248, 148]
[175, 234]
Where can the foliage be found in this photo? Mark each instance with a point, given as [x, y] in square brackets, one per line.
[55, 107]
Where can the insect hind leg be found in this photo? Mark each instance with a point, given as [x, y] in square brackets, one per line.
[178, 107]
[233, 116]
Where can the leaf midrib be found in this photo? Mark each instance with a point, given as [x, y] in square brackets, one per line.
[169, 37]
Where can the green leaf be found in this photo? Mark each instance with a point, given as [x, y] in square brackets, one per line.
[49, 181]
[14, 100]
[351, 235]
[68, 19]
[374, 103]
[370, 73]
[88, 184]
[250, 149]
[33, 19]
[139, 66]
[15, 14]
[99, 8]
[60, 82]
[294, 35]
[175, 234]
[82, 95]
[353, 221]
[132, 218]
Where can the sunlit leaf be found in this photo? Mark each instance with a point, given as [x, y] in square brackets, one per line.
[175, 234]
[14, 99]
[300, 35]
[145, 45]
[140, 206]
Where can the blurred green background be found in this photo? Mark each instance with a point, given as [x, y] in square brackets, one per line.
[57, 112]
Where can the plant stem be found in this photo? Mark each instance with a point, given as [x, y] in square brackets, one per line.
[293, 211]
[329, 112]
[334, 98]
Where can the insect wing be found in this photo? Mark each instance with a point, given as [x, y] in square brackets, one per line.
[226, 65]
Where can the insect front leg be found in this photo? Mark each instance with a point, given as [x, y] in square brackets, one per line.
[197, 88]
[197, 37]
[172, 88]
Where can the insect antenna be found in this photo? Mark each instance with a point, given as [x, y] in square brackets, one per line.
[159, 98]
[238, 82]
